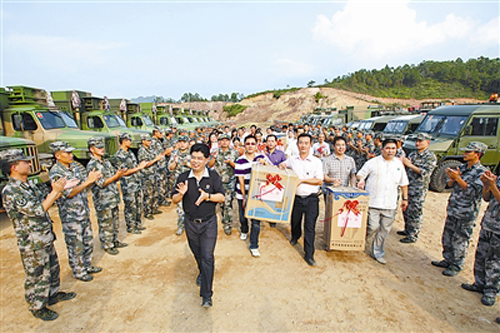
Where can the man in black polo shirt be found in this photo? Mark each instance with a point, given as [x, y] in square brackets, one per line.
[200, 190]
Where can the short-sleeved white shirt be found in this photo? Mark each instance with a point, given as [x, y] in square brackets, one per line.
[382, 179]
[310, 167]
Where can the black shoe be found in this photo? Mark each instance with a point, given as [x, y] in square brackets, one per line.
[451, 271]
[45, 314]
[93, 270]
[86, 278]
[488, 300]
[136, 232]
[227, 231]
[157, 212]
[497, 320]
[472, 287]
[140, 228]
[61, 296]
[150, 217]
[112, 251]
[442, 263]
[198, 280]
[165, 204]
[407, 240]
[311, 262]
[293, 242]
[207, 302]
[402, 233]
[272, 225]
[120, 245]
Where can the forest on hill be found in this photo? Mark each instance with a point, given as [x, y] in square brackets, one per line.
[475, 78]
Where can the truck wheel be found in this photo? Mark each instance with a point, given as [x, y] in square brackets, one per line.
[439, 177]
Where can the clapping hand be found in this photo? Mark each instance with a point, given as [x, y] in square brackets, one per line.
[488, 179]
[203, 197]
[182, 187]
[59, 185]
[120, 173]
[94, 175]
[143, 164]
[453, 174]
[71, 183]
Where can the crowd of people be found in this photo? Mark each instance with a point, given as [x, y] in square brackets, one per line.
[199, 170]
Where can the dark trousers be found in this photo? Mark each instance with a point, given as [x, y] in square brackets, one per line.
[201, 238]
[254, 234]
[309, 208]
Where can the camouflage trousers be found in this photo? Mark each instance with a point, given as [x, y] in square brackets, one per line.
[227, 206]
[456, 237]
[79, 242]
[149, 189]
[180, 216]
[108, 222]
[41, 268]
[133, 207]
[487, 263]
[163, 188]
[413, 215]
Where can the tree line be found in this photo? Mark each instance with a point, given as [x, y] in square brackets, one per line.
[235, 97]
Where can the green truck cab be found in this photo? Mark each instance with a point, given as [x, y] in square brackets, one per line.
[137, 119]
[403, 125]
[30, 116]
[184, 119]
[452, 127]
[93, 116]
[376, 124]
[163, 115]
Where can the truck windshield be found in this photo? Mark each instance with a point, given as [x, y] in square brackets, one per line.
[51, 119]
[366, 125]
[395, 127]
[70, 122]
[114, 121]
[147, 120]
[442, 124]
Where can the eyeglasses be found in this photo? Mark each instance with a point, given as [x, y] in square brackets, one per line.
[250, 144]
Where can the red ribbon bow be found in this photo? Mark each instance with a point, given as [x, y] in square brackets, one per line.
[350, 206]
[271, 179]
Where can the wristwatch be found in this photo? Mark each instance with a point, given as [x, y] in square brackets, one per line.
[209, 196]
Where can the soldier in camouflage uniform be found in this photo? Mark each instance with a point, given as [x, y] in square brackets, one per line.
[419, 166]
[27, 210]
[377, 141]
[149, 176]
[180, 162]
[462, 210]
[400, 152]
[169, 146]
[161, 183]
[223, 163]
[74, 211]
[130, 184]
[487, 261]
[369, 146]
[106, 197]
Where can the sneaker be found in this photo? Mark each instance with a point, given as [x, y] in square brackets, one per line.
[92, 270]
[488, 300]
[402, 233]
[255, 252]
[86, 278]
[472, 287]
[407, 240]
[207, 302]
[45, 314]
[451, 271]
[61, 296]
[243, 236]
[442, 263]
[227, 231]
[120, 245]
[112, 251]
[179, 231]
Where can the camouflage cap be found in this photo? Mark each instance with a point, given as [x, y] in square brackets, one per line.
[157, 128]
[424, 136]
[125, 136]
[146, 137]
[379, 136]
[476, 146]
[96, 142]
[370, 133]
[182, 138]
[14, 155]
[60, 145]
[224, 136]
[167, 130]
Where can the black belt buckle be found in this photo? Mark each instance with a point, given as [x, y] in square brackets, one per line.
[198, 220]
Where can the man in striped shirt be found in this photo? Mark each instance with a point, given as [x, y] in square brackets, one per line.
[243, 170]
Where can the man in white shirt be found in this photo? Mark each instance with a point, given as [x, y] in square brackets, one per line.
[383, 175]
[310, 172]
[321, 148]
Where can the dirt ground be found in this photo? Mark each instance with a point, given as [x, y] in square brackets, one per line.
[150, 286]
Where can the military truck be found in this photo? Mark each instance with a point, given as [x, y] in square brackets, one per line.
[29, 115]
[93, 116]
[376, 124]
[403, 125]
[184, 120]
[452, 127]
[162, 117]
[135, 118]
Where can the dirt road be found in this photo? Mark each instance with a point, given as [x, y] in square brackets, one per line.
[150, 286]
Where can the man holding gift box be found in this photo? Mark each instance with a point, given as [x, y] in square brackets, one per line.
[310, 171]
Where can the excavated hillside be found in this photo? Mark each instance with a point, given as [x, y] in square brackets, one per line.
[265, 109]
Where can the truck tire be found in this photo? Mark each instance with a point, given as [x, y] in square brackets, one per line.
[439, 177]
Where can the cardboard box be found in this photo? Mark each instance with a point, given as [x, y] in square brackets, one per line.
[271, 194]
[345, 218]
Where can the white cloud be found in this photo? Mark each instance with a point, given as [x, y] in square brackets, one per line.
[290, 68]
[61, 53]
[389, 29]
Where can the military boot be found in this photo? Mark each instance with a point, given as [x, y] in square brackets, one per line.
[45, 314]
[61, 296]
[120, 245]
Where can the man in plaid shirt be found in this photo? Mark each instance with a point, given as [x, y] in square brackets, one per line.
[339, 168]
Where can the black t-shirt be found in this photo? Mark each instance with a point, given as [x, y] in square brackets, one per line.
[211, 185]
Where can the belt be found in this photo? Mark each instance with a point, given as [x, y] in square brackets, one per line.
[206, 219]
[307, 196]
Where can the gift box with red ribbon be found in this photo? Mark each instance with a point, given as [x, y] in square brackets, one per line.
[271, 194]
[346, 212]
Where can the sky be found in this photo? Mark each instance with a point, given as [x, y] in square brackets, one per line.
[126, 49]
